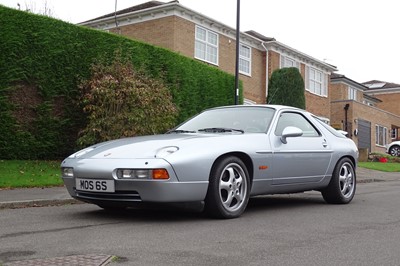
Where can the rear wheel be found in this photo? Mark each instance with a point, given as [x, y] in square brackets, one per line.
[394, 150]
[342, 186]
[229, 187]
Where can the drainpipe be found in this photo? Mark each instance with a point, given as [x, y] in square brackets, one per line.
[266, 67]
[346, 109]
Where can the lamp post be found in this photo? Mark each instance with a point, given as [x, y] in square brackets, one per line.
[237, 53]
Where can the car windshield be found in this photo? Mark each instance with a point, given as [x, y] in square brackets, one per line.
[238, 120]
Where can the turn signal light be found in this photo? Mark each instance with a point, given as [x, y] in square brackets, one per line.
[160, 174]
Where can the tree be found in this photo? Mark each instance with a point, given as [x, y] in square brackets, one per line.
[286, 87]
[122, 102]
[46, 10]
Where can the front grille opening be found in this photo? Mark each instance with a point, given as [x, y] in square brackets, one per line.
[115, 196]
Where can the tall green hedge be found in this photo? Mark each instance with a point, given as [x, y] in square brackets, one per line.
[286, 87]
[42, 61]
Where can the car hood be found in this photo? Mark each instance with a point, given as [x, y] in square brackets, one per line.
[140, 147]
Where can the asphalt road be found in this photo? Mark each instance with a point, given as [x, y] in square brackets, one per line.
[297, 229]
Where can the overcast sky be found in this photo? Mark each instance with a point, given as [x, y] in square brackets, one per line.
[360, 37]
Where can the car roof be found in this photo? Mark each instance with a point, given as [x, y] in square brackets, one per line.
[273, 106]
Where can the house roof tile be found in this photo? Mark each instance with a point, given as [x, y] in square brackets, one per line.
[378, 84]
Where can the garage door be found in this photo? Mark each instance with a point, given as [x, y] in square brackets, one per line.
[364, 134]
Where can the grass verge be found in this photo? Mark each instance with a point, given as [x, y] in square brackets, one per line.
[384, 167]
[19, 174]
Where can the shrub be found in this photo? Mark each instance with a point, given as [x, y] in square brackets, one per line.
[286, 87]
[121, 102]
[42, 62]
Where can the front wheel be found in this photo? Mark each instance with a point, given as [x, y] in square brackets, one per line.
[394, 150]
[342, 187]
[229, 188]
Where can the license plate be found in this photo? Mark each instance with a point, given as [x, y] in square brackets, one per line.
[95, 185]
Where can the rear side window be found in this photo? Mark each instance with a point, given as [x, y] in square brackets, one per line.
[295, 120]
[330, 129]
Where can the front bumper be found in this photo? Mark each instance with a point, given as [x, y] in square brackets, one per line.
[132, 190]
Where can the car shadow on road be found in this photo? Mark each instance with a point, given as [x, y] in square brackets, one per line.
[193, 212]
[148, 212]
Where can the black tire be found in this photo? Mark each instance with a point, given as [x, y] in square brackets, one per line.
[342, 187]
[395, 150]
[229, 188]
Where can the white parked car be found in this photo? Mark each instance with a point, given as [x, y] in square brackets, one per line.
[394, 148]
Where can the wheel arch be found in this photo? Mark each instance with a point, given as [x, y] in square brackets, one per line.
[392, 147]
[352, 159]
[244, 157]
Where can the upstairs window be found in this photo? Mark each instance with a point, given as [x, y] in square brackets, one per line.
[206, 45]
[316, 81]
[352, 94]
[244, 59]
[289, 62]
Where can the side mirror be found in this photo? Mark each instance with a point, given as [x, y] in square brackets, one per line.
[290, 132]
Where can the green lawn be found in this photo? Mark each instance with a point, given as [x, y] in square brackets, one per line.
[16, 174]
[384, 167]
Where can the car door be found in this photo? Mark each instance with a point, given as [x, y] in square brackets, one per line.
[301, 159]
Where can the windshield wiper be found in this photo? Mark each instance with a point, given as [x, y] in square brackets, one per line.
[220, 130]
[178, 131]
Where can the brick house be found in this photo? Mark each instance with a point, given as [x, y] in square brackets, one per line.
[175, 27]
[388, 93]
[361, 113]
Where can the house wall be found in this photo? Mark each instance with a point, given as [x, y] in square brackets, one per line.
[274, 62]
[178, 34]
[318, 105]
[390, 102]
[357, 110]
[158, 32]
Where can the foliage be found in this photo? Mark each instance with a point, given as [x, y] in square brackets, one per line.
[16, 173]
[286, 87]
[379, 157]
[43, 60]
[121, 102]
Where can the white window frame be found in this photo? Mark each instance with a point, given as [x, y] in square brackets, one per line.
[208, 46]
[368, 103]
[393, 133]
[286, 61]
[352, 94]
[244, 59]
[381, 134]
[315, 85]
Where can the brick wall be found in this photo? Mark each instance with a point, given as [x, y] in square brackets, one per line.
[390, 102]
[318, 105]
[338, 91]
[178, 34]
[362, 111]
[158, 32]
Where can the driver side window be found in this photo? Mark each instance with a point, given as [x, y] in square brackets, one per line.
[295, 120]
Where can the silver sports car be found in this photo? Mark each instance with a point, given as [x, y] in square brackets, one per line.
[221, 158]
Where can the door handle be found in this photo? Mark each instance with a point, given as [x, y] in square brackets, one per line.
[324, 143]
